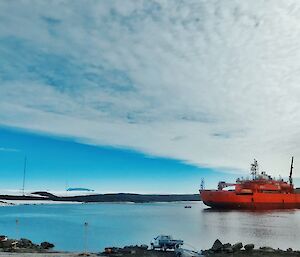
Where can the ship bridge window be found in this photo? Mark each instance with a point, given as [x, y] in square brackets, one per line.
[229, 188]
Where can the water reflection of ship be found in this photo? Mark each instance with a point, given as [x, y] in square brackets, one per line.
[260, 192]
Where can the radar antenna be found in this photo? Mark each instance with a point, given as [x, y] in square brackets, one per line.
[291, 171]
[254, 169]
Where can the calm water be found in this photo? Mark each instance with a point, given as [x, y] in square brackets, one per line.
[123, 224]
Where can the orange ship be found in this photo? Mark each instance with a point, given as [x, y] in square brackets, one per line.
[260, 192]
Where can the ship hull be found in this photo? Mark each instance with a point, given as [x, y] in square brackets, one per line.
[221, 199]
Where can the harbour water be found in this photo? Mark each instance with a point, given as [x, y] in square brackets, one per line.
[125, 224]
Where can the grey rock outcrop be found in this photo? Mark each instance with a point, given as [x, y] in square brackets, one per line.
[227, 248]
[267, 249]
[249, 247]
[217, 246]
[237, 246]
[9, 243]
[25, 243]
[144, 247]
[47, 245]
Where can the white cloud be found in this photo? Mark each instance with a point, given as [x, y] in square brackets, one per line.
[213, 83]
[4, 149]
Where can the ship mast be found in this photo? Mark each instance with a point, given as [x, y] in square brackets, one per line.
[291, 171]
[254, 169]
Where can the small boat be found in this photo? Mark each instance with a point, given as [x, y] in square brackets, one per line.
[188, 207]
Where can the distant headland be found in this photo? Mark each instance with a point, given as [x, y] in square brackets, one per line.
[94, 198]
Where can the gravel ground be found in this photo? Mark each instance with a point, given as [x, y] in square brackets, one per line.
[141, 253]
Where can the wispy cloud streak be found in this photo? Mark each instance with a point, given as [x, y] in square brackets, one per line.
[3, 149]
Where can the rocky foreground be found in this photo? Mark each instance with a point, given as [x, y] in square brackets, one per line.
[239, 250]
[217, 250]
[25, 248]
[23, 245]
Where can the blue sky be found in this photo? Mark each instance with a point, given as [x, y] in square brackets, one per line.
[191, 83]
[55, 163]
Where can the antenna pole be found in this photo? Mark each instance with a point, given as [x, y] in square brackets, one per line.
[202, 186]
[24, 175]
[86, 238]
[291, 171]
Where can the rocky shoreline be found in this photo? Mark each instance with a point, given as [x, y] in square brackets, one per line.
[23, 245]
[24, 248]
[239, 250]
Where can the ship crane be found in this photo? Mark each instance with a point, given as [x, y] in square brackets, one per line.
[291, 172]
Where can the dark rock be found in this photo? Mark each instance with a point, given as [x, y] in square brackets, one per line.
[125, 250]
[238, 246]
[144, 247]
[249, 247]
[47, 245]
[226, 245]
[9, 243]
[110, 250]
[228, 249]
[267, 249]
[217, 246]
[25, 243]
[289, 250]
